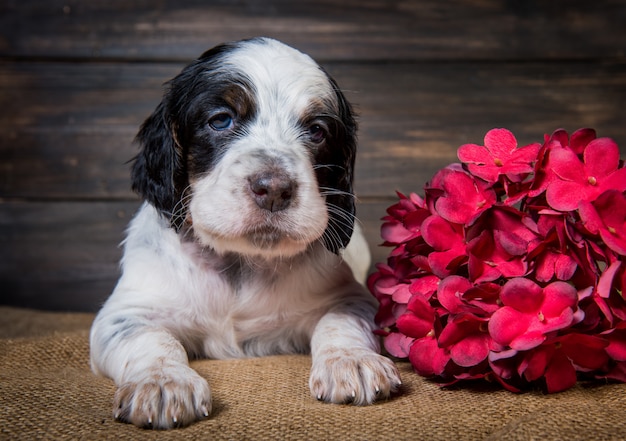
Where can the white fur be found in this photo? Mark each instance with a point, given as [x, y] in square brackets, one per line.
[215, 294]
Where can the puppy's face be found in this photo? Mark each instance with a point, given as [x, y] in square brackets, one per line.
[252, 149]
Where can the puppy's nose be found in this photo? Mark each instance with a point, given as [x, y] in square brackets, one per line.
[272, 192]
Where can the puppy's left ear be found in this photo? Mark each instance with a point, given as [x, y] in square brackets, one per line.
[157, 169]
[338, 177]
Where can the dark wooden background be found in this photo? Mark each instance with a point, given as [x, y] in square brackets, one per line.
[77, 77]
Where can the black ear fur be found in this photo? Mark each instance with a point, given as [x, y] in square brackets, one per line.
[158, 168]
[341, 206]
[159, 172]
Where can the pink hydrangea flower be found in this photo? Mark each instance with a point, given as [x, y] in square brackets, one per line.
[500, 247]
[530, 312]
[499, 156]
[467, 340]
[428, 358]
[606, 216]
[576, 180]
[448, 242]
[463, 198]
[512, 267]
[559, 359]
[558, 140]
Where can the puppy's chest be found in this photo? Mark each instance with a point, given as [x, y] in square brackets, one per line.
[259, 319]
[254, 308]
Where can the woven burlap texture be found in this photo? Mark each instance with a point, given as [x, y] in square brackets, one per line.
[48, 392]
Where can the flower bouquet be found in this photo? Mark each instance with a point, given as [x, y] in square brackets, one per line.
[512, 267]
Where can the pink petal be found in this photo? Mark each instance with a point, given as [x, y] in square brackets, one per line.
[464, 199]
[560, 374]
[503, 363]
[549, 324]
[402, 294]
[425, 285]
[474, 154]
[470, 351]
[590, 217]
[419, 305]
[587, 352]
[560, 136]
[439, 233]
[557, 297]
[567, 166]
[450, 291]
[394, 232]
[611, 206]
[565, 196]
[614, 242]
[615, 181]
[527, 154]
[382, 284]
[384, 316]
[528, 340]
[489, 173]
[427, 358]
[580, 138]
[617, 344]
[413, 326]
[513, 244]
[512, 268]
[522, 294]
[565, 267]
[500, 142]
[601, 157]
[398, 345]
[506, 324]
[536, 362]
[484, 296]
[459, 327]
[545, 264]
[413, 220]
[440, 262]
[606, 279]
[481, 271]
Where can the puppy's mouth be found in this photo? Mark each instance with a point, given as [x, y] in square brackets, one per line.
[265, 236]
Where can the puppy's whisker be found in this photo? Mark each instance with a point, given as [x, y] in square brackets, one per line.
[329, 166]
[333, 237]
[328, 191]
[343, 216]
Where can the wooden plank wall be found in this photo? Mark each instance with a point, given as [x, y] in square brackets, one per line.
[77, 77]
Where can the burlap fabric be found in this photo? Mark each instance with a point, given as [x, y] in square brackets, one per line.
[48, 392]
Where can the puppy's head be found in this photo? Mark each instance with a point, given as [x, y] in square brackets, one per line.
[252, 150]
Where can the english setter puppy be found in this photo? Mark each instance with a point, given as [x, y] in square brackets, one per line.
[246, 170]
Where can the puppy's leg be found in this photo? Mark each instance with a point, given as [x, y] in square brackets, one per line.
[347, 367]
[156, 386]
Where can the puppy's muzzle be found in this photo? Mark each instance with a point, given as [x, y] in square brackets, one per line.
[272, 191]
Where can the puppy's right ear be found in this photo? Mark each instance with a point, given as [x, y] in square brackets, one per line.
[158, 168]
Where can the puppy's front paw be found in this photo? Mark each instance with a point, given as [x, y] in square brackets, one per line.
[357, 376]
[163, 397]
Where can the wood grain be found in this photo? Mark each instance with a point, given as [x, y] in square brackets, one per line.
[327, 29]
[60, 255]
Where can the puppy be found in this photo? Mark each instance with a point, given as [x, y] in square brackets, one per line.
[246, 172]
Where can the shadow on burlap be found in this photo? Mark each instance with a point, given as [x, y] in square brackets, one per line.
[48, 392]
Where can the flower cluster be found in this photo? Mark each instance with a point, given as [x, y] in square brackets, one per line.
[512, 267]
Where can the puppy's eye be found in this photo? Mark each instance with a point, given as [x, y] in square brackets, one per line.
[317, 133]
[221, 121]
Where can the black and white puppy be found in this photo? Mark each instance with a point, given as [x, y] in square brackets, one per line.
[246, 171]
